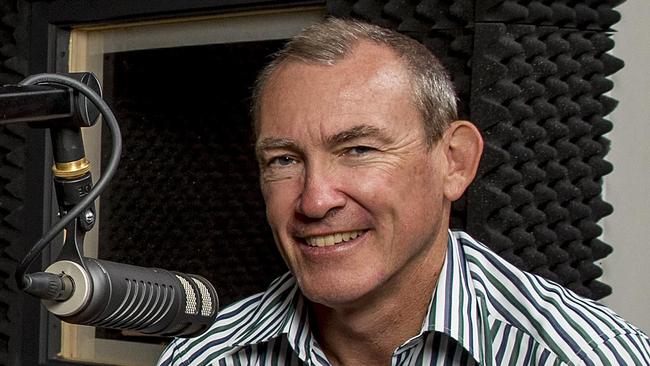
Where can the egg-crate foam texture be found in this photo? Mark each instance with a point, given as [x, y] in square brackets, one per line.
[13, 67]
[12, 218]
[585, 15]
[409, 16]
[538, 98]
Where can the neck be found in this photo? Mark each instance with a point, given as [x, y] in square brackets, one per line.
[369, 330]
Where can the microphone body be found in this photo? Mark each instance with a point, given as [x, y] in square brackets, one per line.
[145, 300]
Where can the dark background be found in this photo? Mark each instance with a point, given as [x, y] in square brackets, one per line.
[531, 74]
[186, 195]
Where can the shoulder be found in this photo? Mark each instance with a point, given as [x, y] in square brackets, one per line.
[231, 329]
[518, 303]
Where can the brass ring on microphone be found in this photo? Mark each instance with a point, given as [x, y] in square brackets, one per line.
[71, 170]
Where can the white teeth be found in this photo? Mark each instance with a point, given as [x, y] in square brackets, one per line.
[332, 239]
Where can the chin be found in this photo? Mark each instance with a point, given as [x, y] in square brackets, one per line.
[338, 290]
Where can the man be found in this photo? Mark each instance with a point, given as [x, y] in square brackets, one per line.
[360, 157]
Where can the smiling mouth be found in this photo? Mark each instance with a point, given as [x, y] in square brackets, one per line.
[332, 239]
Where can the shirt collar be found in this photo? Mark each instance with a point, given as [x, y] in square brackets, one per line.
[279, 307]
[454, 308]
[282, 311]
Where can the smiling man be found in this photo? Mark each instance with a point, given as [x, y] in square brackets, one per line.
[360, 155]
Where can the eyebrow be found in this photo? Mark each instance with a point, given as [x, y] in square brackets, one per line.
[353, 133]
[270, 143]
[357, 132]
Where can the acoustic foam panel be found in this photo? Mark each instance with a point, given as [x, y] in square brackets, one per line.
[586, 15]
[538, 96]
[12, 195]
[13, 66]
[422, 15]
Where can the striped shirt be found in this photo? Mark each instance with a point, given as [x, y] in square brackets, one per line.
[484, 311]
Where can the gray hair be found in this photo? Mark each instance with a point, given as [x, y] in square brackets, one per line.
[331, 40]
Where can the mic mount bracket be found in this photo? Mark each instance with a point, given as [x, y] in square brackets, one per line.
[64, 111]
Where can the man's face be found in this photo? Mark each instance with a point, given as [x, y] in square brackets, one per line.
[353, 192]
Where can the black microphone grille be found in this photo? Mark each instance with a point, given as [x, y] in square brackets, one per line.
[147, 300]
[144, 304]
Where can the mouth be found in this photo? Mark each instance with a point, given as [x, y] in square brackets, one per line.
[332, 239]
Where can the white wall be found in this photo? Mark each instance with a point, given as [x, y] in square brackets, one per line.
[627, 269]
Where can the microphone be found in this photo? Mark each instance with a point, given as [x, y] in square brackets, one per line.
[114, 295]
[89, 291]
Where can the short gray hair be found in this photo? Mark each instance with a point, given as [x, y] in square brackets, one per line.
[333, 39]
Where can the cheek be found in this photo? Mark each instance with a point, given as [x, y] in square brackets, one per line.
[279, 198]
[395, 183]
[408, 197]
[369, 188]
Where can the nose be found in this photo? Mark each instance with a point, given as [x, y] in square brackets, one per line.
[321, 193]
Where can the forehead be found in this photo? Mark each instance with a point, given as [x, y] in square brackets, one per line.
[370, 85]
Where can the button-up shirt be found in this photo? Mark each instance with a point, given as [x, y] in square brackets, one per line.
[484, 311]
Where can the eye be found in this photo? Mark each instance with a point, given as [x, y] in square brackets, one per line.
[284, 160]
[358, 150]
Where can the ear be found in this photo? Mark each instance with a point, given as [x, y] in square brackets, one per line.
[463, 144]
